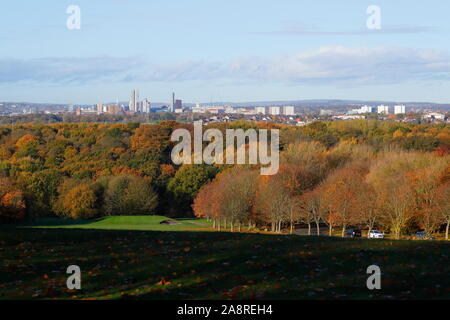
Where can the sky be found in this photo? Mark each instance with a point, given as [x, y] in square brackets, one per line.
[214, 50]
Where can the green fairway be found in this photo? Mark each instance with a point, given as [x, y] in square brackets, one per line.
[150, 223]
[121, 264]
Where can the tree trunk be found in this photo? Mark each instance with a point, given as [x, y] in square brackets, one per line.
[396, 231]
[214, 223]
[218, 225]
[368, 232]
[309, 228]
[330, 232]
[291, 231]
[343, 231]
[225, 224]
[446, 230]
[232, 226]
[318, 228]
[239, 227]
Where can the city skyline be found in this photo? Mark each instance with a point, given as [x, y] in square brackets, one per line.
[256, 51]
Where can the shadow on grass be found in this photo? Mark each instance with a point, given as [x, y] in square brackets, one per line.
[202, 265]
[57, 222]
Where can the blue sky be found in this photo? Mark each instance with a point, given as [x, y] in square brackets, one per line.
[230, 50]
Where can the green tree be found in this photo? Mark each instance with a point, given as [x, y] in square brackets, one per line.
[129, 195]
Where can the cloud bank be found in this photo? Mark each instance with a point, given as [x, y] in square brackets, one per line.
[330, 65]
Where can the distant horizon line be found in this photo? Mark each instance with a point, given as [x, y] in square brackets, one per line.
[348, 101]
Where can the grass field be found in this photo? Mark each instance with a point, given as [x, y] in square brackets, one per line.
[150, 223]
[135, 261]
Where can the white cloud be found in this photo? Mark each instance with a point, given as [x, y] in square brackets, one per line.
[314, 31]
[341, 65]
[331, 65]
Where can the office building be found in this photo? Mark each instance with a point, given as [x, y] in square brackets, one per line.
[134, 101]
[178, 104]
[172, 106]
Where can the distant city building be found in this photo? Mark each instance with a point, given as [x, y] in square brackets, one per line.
[367, 109]
[362, 110]
[134, 101]
[326, 112]
[230, 110]
[172, 106]
[216, 110]
[383, 109]
[434, 115]
[401, 109]
[198, 109]
[275, 111]
[260, 110]
[349, 117]
[146, 106]
[114, 109]
[99, 108]
[288, 110]
[178, 104]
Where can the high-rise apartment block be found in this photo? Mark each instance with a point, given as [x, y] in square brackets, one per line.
[275, 111]
[401, 109]
[383, 109]
[288, 110]
[146, 106]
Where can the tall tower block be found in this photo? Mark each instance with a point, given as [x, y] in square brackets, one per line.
[173, 102]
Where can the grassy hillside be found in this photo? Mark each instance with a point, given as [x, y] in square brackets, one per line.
[151, 223]
[119, 264]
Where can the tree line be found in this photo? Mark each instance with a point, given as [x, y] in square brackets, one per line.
[348, 185]
[89, 170]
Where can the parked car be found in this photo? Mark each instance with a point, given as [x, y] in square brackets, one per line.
[422, 235]
[353, 233]
[375, 234]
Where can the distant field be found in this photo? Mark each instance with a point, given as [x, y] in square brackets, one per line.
[151, 223]
[125, 264]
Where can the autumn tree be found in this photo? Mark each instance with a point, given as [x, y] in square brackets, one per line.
[310, 209]
[367, 209]
[12, 204]
[443, 205]
[425, 183]
[237, 188]
[273, 202]
[339, 192]
[80, 202]
[393, 190]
